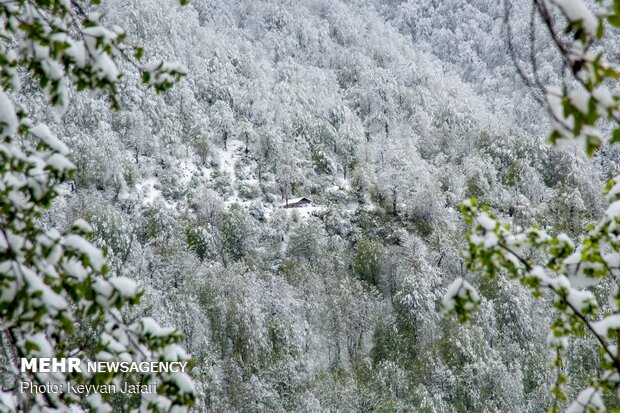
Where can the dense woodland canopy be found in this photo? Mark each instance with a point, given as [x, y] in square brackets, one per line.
[386, 114]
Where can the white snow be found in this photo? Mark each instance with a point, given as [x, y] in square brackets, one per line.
[486, 222]
[576, 10]
[44, 346]
[614, 191]
[175, 352]
[581, 99]
[82, 226]
[125, 286]
[8, 119]
[75, 269]
[60, 163]
[42, 132]
[461, 289]
[183, 382]
[112, 344]
[15, 241]
[554, 99]
[160, 71]
[188, 170]
[581, 299]
[612, 260]
[3, 242]
[35, 283]
[539, 273]
[106, 67]
[77, 52]
[104, 289]
[603, 96]
[491, 240]
[306, 211]
[152, 328]
[95, 401]
[227, 158]
[9, 290]
[80, 244]
[613, 210]
[607, 324]
[588, 401]
[557, 342]
[559, 283]
[8, 401]
[147, 190]
[102, 63]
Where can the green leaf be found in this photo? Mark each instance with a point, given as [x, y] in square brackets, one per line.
[614, 20]
[31, 346]
[615, 136]
[600, 30]
[139, 53]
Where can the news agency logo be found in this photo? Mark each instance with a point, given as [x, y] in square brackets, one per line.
[74, 364]
[51, 365]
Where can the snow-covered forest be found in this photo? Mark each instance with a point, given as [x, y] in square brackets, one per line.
[385, 115]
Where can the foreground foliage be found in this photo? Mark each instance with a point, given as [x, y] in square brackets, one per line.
[580, 275]
[55, 297]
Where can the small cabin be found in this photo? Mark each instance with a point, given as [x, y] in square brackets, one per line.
[296, 203]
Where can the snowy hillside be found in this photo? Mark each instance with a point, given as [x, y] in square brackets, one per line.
[386, 114]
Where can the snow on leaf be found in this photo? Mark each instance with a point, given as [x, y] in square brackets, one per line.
[613, 210]
[60, 163]
[82, 226]
[42, 348]
[96, 403]
[51, 299]
[126, 287]
[589, 401]
[577, 11]
[81, 245]
[183, 382]
[486, 222]
[607, 325]
[152, 328]
[460, 294]
[8, 119]
[42, 132]
[581, 300]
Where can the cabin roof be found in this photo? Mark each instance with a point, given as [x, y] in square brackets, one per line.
[296, 200]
